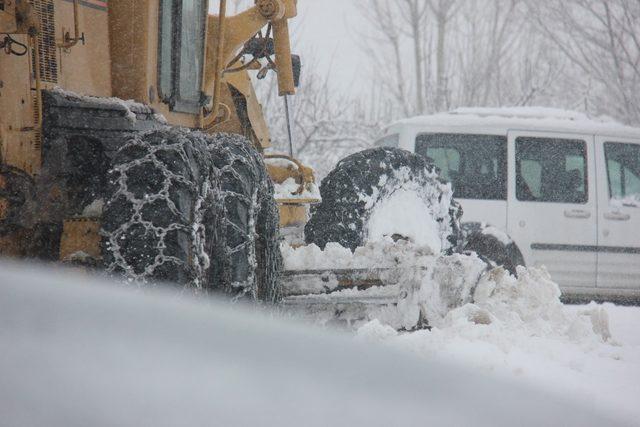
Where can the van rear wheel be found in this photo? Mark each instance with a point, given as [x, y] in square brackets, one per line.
[492, 245]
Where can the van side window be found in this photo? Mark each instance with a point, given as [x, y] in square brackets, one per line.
[392, 140]
[551, 170]
[181, 53]
[623, 170]
[476, 165]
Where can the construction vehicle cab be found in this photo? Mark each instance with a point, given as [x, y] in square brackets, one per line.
[67, 138]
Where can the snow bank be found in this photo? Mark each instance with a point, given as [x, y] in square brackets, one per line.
[80, 351]
[457, 289]
[518, 328]
[515, 327]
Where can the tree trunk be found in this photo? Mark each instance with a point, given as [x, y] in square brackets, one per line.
[440, 61]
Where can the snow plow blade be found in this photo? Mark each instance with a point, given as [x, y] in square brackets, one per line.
[407, 295]
[340, 295]
[318, 282]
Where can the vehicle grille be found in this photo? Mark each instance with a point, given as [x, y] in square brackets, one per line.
[46, 41]
[37, 137]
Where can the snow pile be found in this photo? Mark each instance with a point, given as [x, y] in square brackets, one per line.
[530, 303]
[79, 351]
[289, 187]
[402, 214]
[419, 287]
[454, 291]
[489, 320]
[490, 230]
[457, 295]
[384, 253]
[517, 328]
[429, 293]
[404, 207]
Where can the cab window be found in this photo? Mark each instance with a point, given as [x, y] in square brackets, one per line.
[181, 53]
[476, 165]
[551, 170]
[623, 170]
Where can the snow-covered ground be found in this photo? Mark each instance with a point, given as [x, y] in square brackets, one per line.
[78, 351]
[603, 375]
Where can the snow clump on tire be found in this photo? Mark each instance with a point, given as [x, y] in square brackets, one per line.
[385, 192]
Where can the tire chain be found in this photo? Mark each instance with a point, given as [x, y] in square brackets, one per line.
[212, 161]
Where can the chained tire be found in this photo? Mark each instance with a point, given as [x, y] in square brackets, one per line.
[493, 246]
[193, 209]
[364, 192]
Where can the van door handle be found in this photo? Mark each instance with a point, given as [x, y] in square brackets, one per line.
[577, 213]
[617, 216]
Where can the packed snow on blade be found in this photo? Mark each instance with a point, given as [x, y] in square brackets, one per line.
[404, 286]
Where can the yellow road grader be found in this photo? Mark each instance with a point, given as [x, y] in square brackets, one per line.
[129, 185]
[171, 184]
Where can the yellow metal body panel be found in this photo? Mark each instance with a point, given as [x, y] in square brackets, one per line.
[12, 245]
[18, 144]
[259, 131]
[292, 215]
[8, 22]
[116, 55]
[84, 68]
[134, 57]
[80, 237]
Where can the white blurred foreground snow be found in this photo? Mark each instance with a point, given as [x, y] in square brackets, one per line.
[76, 351]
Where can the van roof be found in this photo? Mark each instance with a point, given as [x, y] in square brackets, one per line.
[498, 121]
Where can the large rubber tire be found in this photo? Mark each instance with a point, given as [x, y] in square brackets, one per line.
[361, 181]
[193, 209]
[502, 252]
[244, 223]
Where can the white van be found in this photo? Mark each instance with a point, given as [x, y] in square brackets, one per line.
[563, 187]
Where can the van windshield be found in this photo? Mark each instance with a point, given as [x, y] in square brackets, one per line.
[476, 165]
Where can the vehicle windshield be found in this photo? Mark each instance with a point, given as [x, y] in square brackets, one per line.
[474, 164]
